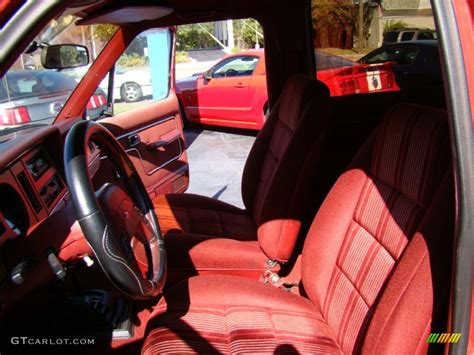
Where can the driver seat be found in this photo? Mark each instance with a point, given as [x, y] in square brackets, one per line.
[376, 262]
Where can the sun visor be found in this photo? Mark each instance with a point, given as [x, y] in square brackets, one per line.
[127, 14]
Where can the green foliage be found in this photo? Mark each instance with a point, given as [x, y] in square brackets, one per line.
[247, 32]
[195, 36]
[199, 36]
[182, 57]
[393, 25]
[327, 12]
[70, 56]
[132, 60]
[104, 32]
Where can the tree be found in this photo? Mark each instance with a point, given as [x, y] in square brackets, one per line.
[247, 33]
[195, 36]
[104, 32]
[335, 22]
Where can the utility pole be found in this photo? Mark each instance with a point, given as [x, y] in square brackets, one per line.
[230, 35]
[361, 43]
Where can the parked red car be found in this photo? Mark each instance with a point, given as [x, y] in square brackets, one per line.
[233, 93]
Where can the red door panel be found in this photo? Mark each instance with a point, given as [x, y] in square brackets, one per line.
[153, 137]
[224, 98]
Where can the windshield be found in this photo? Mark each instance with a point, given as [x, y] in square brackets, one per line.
[31, 94]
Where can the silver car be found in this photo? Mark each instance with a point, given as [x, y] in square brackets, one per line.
[39, 95]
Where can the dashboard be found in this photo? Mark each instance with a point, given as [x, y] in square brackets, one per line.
[31, 181]
[38, 228]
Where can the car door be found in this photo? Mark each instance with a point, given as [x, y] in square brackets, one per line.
[225, 93]
[149, 127]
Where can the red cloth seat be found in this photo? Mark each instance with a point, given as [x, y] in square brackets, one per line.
[218, 313]
[275, 185]
[376, 262]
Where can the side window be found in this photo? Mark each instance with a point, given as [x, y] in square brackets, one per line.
[407, 36]
[388, 27]
[142, 73]
[239, 66]
[425, 35]
[405, 56]
[380, 57]
[401, 56]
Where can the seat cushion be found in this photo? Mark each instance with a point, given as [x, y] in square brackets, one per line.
[204, 235]
[194, 254]
[202, 216]
[238, 316]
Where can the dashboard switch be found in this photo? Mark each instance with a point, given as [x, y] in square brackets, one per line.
[88, 260]
[56, 265]
[18, 273]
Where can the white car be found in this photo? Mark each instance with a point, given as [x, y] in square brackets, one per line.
[130, 85]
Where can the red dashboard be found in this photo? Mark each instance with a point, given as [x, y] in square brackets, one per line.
[31, 183]
[36, 217]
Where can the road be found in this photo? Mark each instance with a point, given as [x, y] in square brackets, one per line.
[184, 70]
[216, 162]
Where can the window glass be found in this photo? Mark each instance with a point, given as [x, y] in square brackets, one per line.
[240, 66]
[407, 36]
[207, 47]
[31, 94]
[391, 36]
[362, 44]
[142, 72]
[425, 35]
[399, 55]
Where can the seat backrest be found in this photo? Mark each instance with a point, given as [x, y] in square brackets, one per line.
[376, 260]
[277, 173]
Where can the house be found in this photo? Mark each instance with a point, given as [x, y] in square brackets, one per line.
[415, 13]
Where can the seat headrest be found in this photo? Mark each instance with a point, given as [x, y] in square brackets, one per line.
[297, 93]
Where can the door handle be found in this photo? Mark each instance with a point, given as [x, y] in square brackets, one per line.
[164, 140]
[240, 86]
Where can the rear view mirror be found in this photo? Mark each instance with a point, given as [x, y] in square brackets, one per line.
[64, 56]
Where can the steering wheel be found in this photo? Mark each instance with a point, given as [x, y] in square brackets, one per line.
[231, 72]
[112, 217]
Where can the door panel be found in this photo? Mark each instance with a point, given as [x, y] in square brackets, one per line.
[153, 137]
[224, 98]
[149, 127]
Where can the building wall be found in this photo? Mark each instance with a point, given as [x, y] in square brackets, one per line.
[415, 13]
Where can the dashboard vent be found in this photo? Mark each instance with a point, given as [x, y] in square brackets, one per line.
[25, 184]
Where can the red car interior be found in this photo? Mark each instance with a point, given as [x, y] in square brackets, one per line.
[358, 204]
[375, 259]
[201, 233]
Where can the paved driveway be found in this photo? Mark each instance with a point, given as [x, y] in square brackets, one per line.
[216, 161]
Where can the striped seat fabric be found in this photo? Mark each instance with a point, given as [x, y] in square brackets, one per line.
[375, 263]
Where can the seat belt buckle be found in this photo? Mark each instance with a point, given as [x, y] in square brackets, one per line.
[271, 278]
